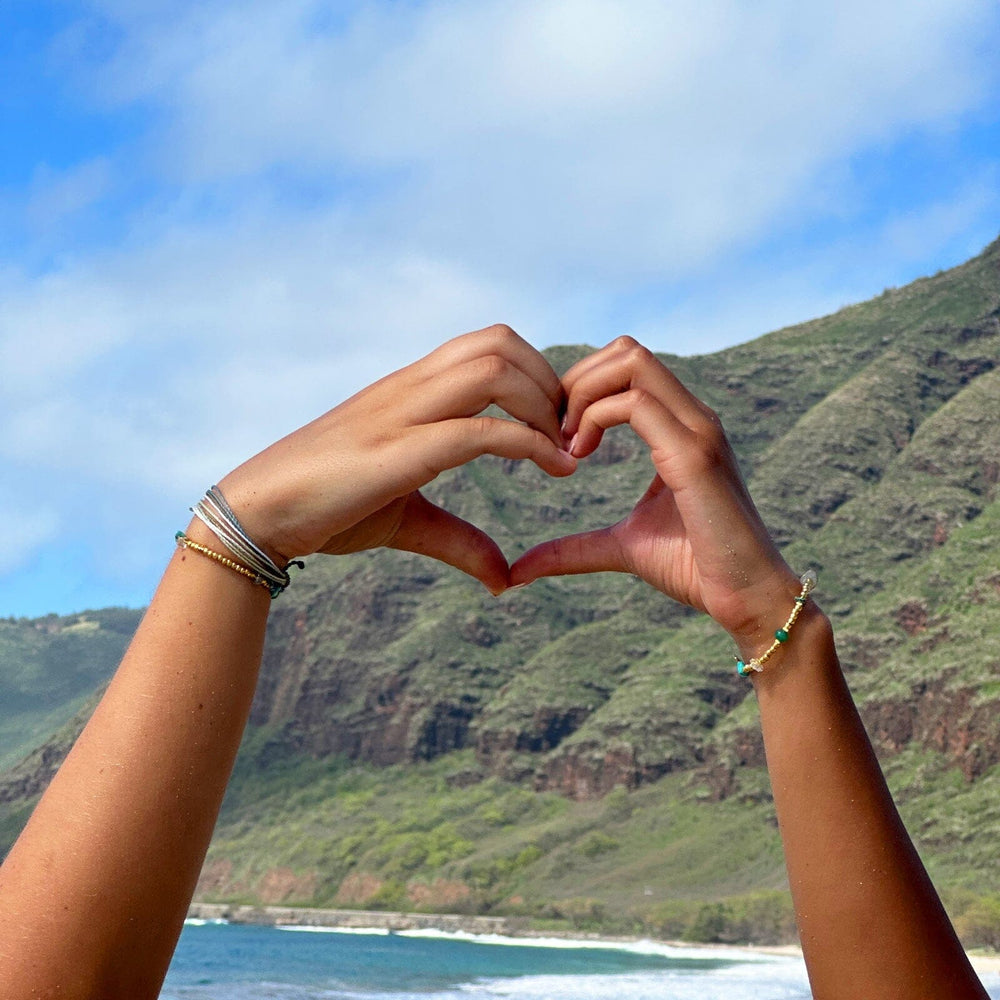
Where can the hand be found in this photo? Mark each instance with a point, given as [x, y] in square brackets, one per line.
[350, 480]
[695, 534]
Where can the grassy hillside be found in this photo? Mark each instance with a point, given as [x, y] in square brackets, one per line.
[49, 666]
[581, 752]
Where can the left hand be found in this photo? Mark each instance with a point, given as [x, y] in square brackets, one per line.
[350, 480]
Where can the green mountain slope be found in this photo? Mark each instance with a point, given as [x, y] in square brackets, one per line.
[49, 666]
[582, 750]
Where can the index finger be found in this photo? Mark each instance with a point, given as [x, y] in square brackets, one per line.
[623, 365]
[500, 340]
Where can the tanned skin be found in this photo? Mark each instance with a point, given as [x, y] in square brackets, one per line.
[94, 893]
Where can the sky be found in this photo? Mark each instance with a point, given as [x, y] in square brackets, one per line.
[218, 220]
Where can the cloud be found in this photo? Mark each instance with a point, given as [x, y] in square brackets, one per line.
[946, 221]
[56, 196]
[630, 140]
[157, 368]
[27, 527]
[313, 193]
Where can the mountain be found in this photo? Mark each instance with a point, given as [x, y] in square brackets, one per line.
[581, 750]
[48, 668]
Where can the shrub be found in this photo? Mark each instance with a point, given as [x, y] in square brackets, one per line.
[712, 925]
[979, 925]
[597, 843]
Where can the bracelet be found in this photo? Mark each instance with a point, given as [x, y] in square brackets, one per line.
[216, 514]
[744, 669]
[184, 542]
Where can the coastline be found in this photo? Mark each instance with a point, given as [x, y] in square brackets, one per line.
[514, 928]
[303, 916]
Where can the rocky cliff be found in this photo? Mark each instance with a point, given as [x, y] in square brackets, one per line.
[871, 441]
[415, 740]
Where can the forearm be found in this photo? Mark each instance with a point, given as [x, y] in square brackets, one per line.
[94, 893]
[868, 915]
[871, 923]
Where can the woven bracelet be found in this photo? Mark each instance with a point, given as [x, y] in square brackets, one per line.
[215, 513]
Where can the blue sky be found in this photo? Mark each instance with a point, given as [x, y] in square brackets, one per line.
[217, 220]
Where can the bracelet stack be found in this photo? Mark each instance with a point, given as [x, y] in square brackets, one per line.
[754, 666]
[253, 562]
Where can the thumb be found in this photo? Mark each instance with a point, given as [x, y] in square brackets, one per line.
[588, 552]
[432, 531]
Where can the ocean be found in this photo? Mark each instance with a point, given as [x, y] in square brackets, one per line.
[238, 962]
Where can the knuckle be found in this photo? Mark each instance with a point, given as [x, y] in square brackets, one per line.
[623, 343]
[493, 367]
[710, 430]
[637, 398]
[639, 356]
[535, 441]
[712, 452]
[482, 427]
[479, 435]
[501, 333]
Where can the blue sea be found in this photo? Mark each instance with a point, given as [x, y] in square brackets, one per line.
[232, 962]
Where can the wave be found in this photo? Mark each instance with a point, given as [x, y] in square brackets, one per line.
[735, 983]
[316, 929]
[789, 984]
[707, 953]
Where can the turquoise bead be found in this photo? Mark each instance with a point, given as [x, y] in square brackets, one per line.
[741, 668]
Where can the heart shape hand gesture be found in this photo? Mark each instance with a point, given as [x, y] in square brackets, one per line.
[351, 479]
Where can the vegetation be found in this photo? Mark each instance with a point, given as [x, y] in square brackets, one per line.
[581, 755]
[50, 666]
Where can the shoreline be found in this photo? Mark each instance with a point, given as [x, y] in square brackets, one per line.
[513, 928]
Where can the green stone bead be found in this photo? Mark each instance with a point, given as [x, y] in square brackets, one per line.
[781, 635]
[741, 668]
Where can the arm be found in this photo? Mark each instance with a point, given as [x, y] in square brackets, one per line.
[94, 893]
[870, 921]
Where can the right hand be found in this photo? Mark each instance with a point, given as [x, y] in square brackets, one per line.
[695, 534]
[350, 480]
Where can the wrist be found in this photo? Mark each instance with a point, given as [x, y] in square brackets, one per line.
[808, 654]
[217, 514]
[776, 603]
[261, 524]
[210, 551]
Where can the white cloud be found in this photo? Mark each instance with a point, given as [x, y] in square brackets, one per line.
[769, 295]
[942, 222]
[627, 140]
[26, 527]
[166, 365]
[323, 191]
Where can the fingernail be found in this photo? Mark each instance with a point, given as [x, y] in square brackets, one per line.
[518, 586]
[572, 443]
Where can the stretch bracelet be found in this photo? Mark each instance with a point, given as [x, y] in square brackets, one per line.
[754, 666]
[184, 542]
